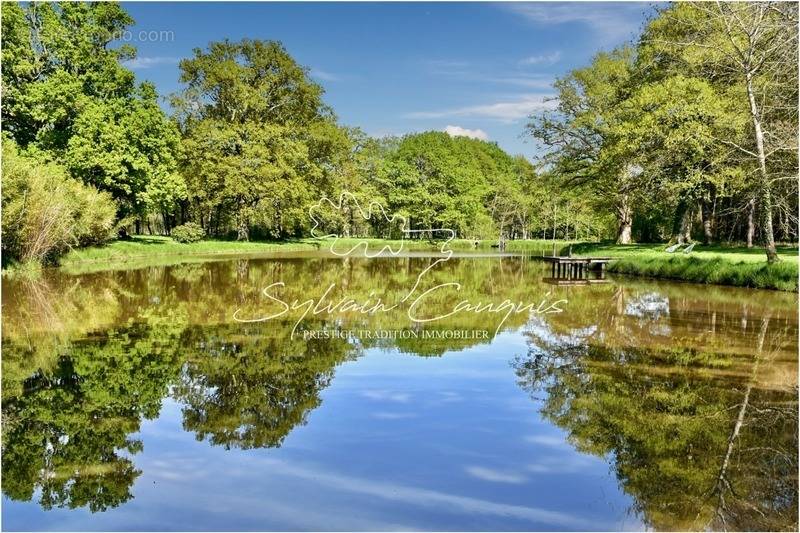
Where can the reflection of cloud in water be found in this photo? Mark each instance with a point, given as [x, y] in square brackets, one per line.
[430, 498]
[385, 395]
[495, 476]
[539, 328]
[649, 305]
[179, 469]
[450, 396]
[561, 465]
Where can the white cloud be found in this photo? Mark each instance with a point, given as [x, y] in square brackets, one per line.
[531, 82]
[496, 476]
[612, 23]
[387, 415]
[147, 62]
[324, 75]
[507, 111]
[458, 131]
[554, 441]
[542, 59]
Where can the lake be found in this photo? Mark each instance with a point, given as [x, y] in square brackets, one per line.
[195, 397]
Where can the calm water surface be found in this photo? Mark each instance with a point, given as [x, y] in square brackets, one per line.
[132, 400]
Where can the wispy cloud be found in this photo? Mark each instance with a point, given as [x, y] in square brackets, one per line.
[503, 74]
[387, 415]
[611, 23]
[553, 441]
[505, 111]
[324, 75]
[530, 82]
[541, 59]
[148, 62]
[458, 131]
[448, 67]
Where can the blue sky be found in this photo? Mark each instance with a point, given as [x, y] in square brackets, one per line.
[396, 68]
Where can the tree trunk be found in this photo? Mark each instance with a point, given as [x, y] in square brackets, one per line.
[682, 223]
[624, 220]
[707, 213]
[765, 195]
[751, 227]
[242, 226]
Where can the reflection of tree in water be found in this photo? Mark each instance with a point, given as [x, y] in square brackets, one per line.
[66, 431]
[701, 441]
[72, 398]
[248, 389]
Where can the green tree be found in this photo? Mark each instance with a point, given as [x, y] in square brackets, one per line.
[468, 185]
[669, 129]
[67, 96]
[256, 136]
[749, 51]
[576, 133]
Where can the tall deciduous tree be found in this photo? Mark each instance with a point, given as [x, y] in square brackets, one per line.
[256, 133]
[576, 133]
[67, 95]
[750, 49]
[669, 129]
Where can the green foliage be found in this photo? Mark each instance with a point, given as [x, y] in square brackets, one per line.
[127, 146]
[256, 136]
[45, 212]
[188, 232]
[690, 126]
[68, 96]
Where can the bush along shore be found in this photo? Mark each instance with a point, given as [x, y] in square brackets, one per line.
[718, 265]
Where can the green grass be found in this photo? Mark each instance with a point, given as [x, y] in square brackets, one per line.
[701, 251]
[719, 265]
[142, 246]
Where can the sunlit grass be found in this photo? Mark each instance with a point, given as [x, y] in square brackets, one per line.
[138, 247]
[710, 264]
[700, 251]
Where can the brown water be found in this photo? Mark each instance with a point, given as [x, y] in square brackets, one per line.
[134, 400]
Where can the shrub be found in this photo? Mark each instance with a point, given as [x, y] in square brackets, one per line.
[189, 232]
[45, 212]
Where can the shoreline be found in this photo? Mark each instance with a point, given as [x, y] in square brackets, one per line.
[707, 265]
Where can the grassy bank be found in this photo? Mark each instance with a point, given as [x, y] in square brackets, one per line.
[719, 265]
[151, 246]
[140, 247]
[736, 266]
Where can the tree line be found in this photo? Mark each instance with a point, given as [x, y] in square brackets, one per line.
[692, 129]
[688, 133]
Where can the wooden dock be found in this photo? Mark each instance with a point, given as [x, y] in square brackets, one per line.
[575, 267]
